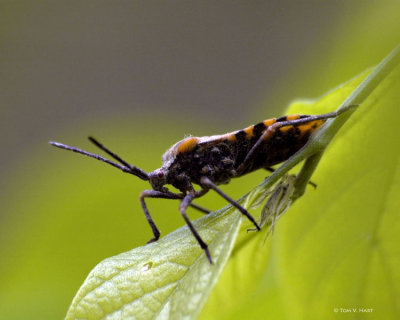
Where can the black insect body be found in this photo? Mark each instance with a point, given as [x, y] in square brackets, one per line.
[214, 160]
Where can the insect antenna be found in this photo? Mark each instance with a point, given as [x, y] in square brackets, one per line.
[135, 170]
[125, 167]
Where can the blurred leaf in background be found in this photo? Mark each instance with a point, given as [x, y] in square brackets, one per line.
[56, 223]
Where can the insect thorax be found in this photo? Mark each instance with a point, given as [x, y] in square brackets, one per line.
[215, 161]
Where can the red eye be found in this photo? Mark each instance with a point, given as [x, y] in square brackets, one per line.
[160, 174]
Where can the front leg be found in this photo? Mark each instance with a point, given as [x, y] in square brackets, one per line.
[167, 195]
[155, 194]
[182, 208]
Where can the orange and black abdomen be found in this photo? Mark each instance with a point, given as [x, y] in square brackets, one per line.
[277, 146]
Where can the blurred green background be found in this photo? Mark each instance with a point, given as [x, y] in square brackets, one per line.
[139, 75]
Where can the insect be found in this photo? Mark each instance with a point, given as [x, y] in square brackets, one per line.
[214, 160]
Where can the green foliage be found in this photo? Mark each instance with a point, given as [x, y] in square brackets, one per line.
[336, 248]
[169, 279]
[62, 214]
[337, 251]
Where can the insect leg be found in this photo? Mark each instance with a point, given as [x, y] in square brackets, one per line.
[165, 195]
[200, 208]
[182, 208]
[199, 194]
[154, 194]
[209, 184]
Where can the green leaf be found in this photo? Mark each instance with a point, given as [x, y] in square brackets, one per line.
[172, 278]
[337, 247]
[168, 279]
[251, 258]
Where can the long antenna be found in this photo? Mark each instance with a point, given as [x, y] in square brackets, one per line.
[125, 167]
[135, 170]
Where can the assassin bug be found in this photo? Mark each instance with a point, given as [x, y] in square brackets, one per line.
[213, 160]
